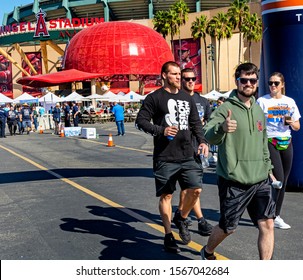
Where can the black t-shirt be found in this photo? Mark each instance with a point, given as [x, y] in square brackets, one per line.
[161, 109]
[26, 114]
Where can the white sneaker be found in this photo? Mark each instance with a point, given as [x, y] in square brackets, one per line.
[279, 223]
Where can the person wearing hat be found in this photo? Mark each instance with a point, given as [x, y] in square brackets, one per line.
[26, 117]
[57, 118]
[3, 116]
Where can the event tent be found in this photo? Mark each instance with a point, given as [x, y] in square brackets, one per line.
[214, 95]
[75, 96]
[133, 96]
[96, 96]
[25, 98]
[5, 99]
[50, 98]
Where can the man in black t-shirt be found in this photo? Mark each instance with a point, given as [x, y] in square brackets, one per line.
[171, 116]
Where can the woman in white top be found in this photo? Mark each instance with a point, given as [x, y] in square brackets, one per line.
[282, 115]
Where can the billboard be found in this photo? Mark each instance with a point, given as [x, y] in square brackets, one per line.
[6, 82]
[188, 55]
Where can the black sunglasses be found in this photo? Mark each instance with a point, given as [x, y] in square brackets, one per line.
[244, 81]
[273, 83]
[187, 79]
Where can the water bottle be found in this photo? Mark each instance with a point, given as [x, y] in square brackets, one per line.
[170, 137]
[277, 185]
[204, 161]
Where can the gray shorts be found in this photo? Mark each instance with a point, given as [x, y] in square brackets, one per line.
[188, 173]
[258, 199]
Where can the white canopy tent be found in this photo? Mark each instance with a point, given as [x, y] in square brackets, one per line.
[212, 95]
[109, 95]
[121, 93]
[25, 98]
[134, 97]
[50, 98]
[94, 97]
[227, 94]
[75, 96]
[5, 99]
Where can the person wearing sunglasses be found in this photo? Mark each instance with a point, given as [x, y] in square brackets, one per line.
[282, 116]
[188, 80]
[238, 127]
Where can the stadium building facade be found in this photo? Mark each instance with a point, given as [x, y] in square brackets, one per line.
[33, 39]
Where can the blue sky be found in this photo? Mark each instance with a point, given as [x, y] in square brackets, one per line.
[7, 6]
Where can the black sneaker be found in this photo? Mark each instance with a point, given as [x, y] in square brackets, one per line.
[170, 244]
[183, 228]
[204, 228]
[209, 258]
[188, 221]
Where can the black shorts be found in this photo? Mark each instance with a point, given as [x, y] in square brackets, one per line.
[258, 199]
[188, 173]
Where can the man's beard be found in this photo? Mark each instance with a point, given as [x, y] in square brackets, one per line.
[176, 85]
[245, 94]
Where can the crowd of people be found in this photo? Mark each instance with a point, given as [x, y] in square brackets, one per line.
[27, 118]
[253, 140]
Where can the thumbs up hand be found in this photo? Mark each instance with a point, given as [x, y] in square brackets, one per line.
[229, 125]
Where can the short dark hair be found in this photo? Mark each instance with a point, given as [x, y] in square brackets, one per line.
[221, 98]
[248, 68]
[166, 65]
[187, 70]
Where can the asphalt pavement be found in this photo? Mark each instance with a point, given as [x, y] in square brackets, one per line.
[78, 199]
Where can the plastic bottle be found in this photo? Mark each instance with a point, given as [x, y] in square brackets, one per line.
[277, 185]
[204, 161]
[170, 137]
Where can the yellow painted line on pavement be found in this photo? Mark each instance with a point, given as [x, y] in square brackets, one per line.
[109, 202]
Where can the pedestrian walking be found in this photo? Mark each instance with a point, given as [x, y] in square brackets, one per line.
[57, 118]
[238, 127]
[282, 115]
[188, 80]
[171, 116]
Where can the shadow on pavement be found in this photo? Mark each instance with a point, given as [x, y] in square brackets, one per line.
[25, 176]
[120, 239]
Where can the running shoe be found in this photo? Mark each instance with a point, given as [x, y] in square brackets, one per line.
[204, 228]
[183, 228]
[279, 223]
[210, 258]
[170, 244]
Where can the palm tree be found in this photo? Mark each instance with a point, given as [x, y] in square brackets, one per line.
[219, 27]
[198, 30]
[165, 23]
[237, 12]
[252, 31]
[181, 11]
[161, 24]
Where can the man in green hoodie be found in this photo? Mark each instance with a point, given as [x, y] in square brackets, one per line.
[244, 166]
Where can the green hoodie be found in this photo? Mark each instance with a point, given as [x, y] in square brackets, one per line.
[243, 155]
